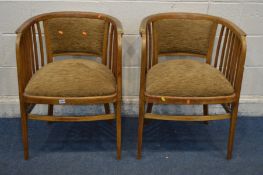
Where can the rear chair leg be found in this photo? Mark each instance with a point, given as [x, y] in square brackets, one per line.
[50, 111]
[148, 110]
[24, 129]
[107, 108]
[118, 128]
[107, 111]
[140, 129]
[149, 107]
[232, 131]
[205, 110]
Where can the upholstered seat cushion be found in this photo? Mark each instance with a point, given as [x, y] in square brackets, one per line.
[72, 78]
[186, 78]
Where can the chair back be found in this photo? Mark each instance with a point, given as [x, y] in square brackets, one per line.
[41, 38]
[73, 35]
[219, 41]
[183, 36]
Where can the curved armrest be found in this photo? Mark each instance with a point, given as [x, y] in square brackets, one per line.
[23, 57]
[143, 56]
[143, 25]
[119, 62]
[118, 25]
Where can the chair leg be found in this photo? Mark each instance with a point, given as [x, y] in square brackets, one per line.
[232, 131]
[148, 110]
[149, 107]
[24, 129]
[50, 109]
[118, 128]
[140, 129]
[107, 108]
[205, 111]
[107, 111]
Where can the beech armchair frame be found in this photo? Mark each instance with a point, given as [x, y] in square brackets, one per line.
[228, 58]
[32, 54]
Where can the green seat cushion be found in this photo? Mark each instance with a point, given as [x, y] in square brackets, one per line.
[186, 78]
[72, 78]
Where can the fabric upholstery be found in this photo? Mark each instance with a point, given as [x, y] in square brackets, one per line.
[75, 35]
[72, 78]
[183, 35]
[186, 78]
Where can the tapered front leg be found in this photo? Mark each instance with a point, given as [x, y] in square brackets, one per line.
[118, 128]
[232, 131]
[140, 128]
[24, 129]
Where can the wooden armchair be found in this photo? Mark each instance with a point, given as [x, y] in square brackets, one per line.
[72, 81]
[217, 80]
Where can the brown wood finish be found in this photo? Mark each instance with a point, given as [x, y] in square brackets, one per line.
[189, 100]
[219, 45]
[50, 109]
[107, 108]
[40, 44]
[71, 118]
[149, 107]
[187, 118]
[205, 111]
[35, 47]
[70, 100]
[211, 43]
[32, 43]
[229, 58]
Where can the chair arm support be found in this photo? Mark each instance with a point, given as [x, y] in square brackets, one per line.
[23, 57]
[143, 59]
[117, 25]
[239, 74]
[119, 64]
[143, 25]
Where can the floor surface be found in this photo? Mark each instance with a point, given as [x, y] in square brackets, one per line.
[169, 148]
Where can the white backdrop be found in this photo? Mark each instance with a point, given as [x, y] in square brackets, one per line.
[248, 14]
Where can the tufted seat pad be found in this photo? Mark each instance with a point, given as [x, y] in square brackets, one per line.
[72, 78]
[186, 78]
